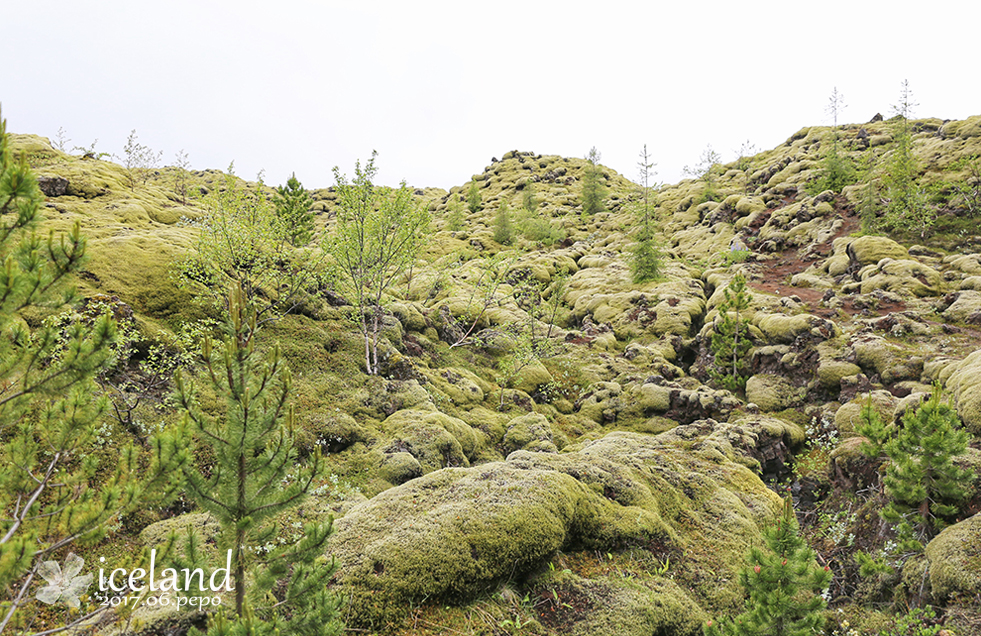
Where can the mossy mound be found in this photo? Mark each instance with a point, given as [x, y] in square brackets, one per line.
[614, 606]
[954, 560]
[456, 533]
[868, 250]
[785, 329]
[907, 277]
[963, 379]
[849, 415]
[773, 392]
[435, 439]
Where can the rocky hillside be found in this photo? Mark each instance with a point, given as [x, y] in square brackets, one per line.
[608, 483]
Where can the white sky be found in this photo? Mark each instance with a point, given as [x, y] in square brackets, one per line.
[440, 87]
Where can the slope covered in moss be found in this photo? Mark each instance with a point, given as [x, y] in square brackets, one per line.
[471, 497]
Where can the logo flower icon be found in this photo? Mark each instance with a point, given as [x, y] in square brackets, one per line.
[64, 584]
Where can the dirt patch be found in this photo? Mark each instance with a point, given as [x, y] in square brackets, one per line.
[561, 607]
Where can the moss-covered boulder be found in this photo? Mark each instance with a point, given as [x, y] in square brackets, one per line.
[963, 379]
[455, 533]
[202, 524]
[531, 377]
[615, 606]
[872, 249]
[849, 415]
[878, 356]
[963, 306]
[785, 329]
[954, 560]
[901, 276]
[529, 432]
[435, 439]
[399, 467]
[773, 392]
[831, 372]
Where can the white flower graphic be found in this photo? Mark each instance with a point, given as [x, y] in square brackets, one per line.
[63, 584]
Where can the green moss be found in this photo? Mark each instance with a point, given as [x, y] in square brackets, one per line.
[781, 328]
[964, 380]
[954, 558]
[527, 430]
[848, 416]
[901, 276]
[454, 533]
[830, 373]
[872, 249]
[773, 392]
[201, 524]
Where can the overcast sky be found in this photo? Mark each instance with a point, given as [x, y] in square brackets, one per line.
[440, 87]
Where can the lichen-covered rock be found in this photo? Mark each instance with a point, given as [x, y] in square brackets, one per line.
[773, 392]
[963, 379]
[954, 560]
[963, 306]
[849, 415]
[901, 276]
[529, 432]
[872, 249]
[784, 329]
[435, 439]
[454, 533]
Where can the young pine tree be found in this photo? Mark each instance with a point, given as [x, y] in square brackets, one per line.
[54, 492]
[906, 209]
[730, 337]
[474, 203]
[293, 209]
[923, 482]
[455, 219]
[502, 224]
[255, 478]
[783, 585]
[528, 199]
[593, 190]
[645, 265]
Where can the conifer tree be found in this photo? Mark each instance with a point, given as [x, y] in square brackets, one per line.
[255, 477]
[474, 203]
[293, 209]
[730, 337]
[528, 199]
[923, 482]
[783, 584]
[646, 263]
[906, 209]
[593, 190]
[53, 490]
[455, 219]
[502, 224]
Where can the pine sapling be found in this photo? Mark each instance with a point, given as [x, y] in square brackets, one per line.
[730, 337]
[783, 584]
[923, 482]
